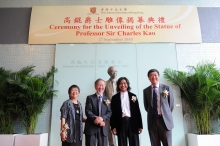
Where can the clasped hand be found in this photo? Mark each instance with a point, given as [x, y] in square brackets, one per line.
[63, 136]
[114, 131]
[99, 120]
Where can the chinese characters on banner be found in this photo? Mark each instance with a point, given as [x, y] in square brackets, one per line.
[114, 24]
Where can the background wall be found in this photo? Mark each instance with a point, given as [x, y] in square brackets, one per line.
[83, 69]
[15, 53]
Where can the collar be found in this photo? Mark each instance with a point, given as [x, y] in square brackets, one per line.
[126, 92]
[112, 80]
[98, 95]
[156, 85]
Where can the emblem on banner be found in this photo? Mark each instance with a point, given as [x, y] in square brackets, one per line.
[92, 9]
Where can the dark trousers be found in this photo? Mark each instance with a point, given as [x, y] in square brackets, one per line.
[97, 139]
[127, 133]
[78, 143]
[159, 133]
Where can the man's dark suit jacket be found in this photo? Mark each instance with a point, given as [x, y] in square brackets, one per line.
[116, 118]
[92, 110]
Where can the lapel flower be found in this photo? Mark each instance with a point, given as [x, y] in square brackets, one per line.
[107, 102]
[134, 98]
[165, 93]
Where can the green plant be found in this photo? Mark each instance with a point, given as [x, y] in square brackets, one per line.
[200, 88]
[7, 103]
[6, 114]
[35, 91]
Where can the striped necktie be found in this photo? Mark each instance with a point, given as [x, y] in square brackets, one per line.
[100, 105]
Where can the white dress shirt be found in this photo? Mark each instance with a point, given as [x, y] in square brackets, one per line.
[98, 95]
[125, 104]
[158, 98]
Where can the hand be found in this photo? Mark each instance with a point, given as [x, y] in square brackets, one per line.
[63, 136]
[84, 119]
[140, 130]
[114, 132]
[98, 120]
[102, 124]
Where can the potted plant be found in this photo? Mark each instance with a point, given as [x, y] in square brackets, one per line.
[6, 114]
[7, 111]
[35, 91]
[200, 89]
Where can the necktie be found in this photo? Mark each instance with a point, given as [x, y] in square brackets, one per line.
[100, 105]
[114, 88]
[155, 112]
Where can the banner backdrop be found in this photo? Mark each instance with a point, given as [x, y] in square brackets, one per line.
[114, 24]
[82, 64]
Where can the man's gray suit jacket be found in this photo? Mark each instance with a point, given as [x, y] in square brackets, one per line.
[167, 105]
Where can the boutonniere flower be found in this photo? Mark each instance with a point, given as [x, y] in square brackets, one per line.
[107, 102]
[134, 98]
[165, 93]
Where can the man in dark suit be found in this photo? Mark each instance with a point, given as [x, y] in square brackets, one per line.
[159, 104]
[98, 112]
[126, 120]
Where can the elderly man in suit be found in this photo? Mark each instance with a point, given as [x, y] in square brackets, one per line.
[159, 104]
[98, 112]
[110, 90]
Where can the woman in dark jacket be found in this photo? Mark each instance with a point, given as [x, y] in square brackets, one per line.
[72, 119]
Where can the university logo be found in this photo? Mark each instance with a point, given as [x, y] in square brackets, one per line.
[93, 9]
